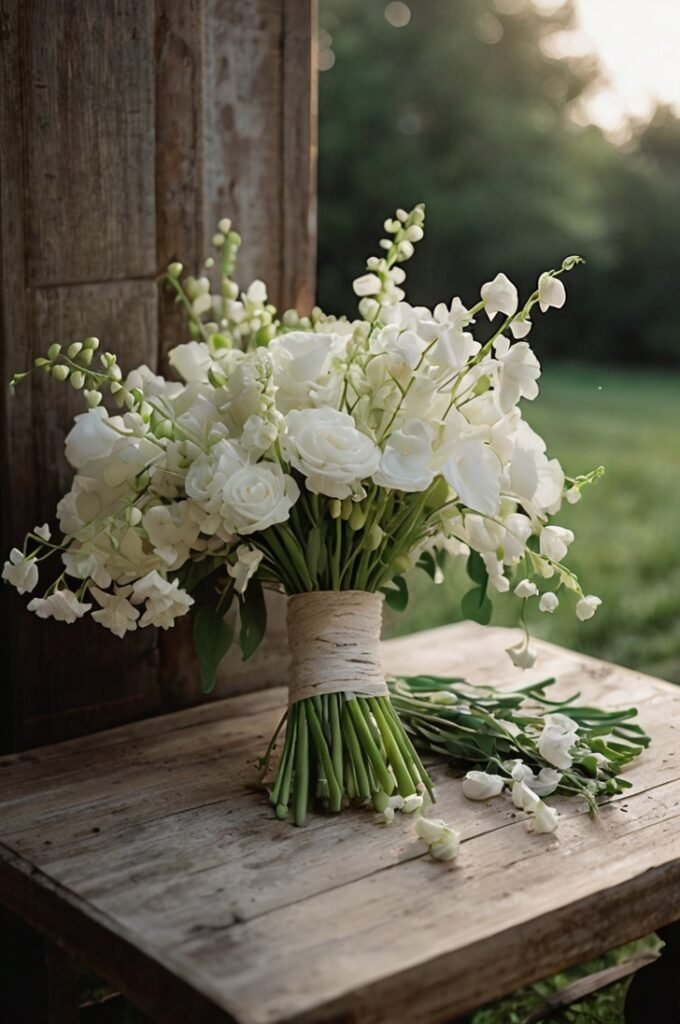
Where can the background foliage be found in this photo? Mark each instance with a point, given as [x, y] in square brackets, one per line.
[464, 109]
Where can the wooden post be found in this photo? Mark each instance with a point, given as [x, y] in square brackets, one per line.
[127, 129]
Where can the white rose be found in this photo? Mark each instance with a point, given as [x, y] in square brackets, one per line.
[406, 462]
[326, 447]
[21, 572]
[302, 368]
[258, 496]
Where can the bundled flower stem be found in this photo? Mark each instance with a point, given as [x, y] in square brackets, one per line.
[492, 730]
[338, 749]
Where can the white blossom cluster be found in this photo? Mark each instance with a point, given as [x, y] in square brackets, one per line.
[284, 424]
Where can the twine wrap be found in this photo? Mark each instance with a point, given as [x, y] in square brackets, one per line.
[334, 641]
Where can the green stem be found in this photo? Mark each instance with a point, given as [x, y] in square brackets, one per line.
[383, 776]
[301, 787]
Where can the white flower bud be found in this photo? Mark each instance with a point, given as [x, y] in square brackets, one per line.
[367, 284]
[60, 372]
[525, 588]
[91, 343]
[218, 239]
[224, 225]
[175, 270]
[133, 515]
[77, 380]
[53, 351]
[548, 602]
[93, 398]
[573, 495]
[587, 606]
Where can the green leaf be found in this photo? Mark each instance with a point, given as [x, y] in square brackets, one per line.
[397, 599]
[476, 569]
[193, 573]
[253, 619]
[212, 639]
[477, 606]
[428, 564]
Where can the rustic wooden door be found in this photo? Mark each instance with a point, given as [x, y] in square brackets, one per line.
[127, 129]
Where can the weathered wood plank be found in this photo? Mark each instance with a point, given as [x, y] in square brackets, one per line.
[90, 140]
[189, 865]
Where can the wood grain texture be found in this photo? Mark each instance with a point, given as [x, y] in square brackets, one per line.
[89, 115]
[150, 850]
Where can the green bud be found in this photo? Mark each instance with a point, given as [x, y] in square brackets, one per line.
[335, 508]
[482, 385]
[234, 239]
[571, 261]
[53, 351]
[164, 429]
[401, 564]
[115, 387]
[133, 515]
[264, 335]
[77, 380]
[380, 800]
[60, 372]
[209, 263]
[40, 361]
[174, 270]
[357, 520]
[93, 398]
[224, 226]
[439, 493]
[115, 372]
[374, 537]
[91, 343]
[216, 377]
[219, 341]
[218, 240]
[346, 508]
[74, 350]
[86, 356]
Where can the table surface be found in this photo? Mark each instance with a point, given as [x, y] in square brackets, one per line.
[149, 853]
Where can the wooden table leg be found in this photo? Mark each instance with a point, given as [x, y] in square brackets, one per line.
[654, 992]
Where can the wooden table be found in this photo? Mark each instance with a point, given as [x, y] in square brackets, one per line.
[146, 853]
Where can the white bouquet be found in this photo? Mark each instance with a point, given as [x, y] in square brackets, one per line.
[323, 458]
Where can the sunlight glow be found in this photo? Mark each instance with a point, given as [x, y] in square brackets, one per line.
[637, 45]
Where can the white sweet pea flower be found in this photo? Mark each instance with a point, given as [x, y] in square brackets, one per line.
[587, 606]
[523, 797]
[62, 605]
[474, 471]
[558, 738]
[257, 293]
[543, 818]
[573, 496]
[520, 328]
[443, 841]
[259, 434]
[453, 349]
[406, 461]
[518, 371]
[548, 602]
[93, 436]
[482, 785]
[116, 613]
[551, 292]
[21, 572]
[43, 532]
[89, 561]
[165, 601]
[172, 532]
[494, 568]
[247, 562]
[554, 542]
[500, 296]
[412, 803]
[522, 655]
[192, 360]
[367, 284]
[545, 783]
[525, 589]
[326, 447]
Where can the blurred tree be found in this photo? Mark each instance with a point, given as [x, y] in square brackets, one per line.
[464, 108]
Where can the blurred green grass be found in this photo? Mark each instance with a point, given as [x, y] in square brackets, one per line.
[627, 547]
